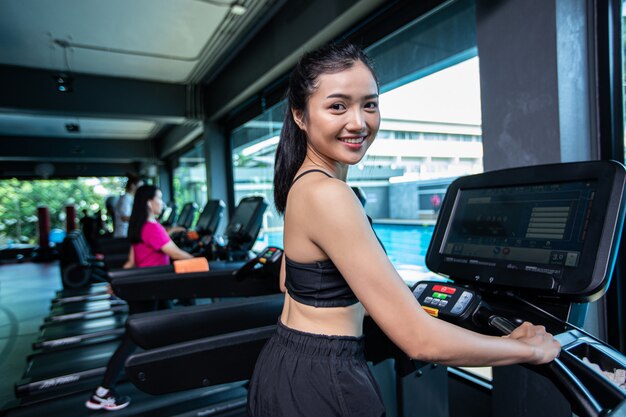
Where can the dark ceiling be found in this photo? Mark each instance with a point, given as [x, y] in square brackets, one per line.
[140, 77]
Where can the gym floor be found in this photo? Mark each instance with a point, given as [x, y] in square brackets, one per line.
[25, 293]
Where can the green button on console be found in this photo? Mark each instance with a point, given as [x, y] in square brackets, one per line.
[440, 295]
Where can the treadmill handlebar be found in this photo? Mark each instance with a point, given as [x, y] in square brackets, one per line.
[590, 393]
[133, 272]
[258, 276]
[580, 384]
[162, 328]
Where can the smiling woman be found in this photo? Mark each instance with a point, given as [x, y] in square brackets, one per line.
[331, 121]
[335, 268]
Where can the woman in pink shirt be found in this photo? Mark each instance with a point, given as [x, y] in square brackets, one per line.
[151, 244]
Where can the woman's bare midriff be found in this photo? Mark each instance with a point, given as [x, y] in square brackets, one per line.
[332, 321]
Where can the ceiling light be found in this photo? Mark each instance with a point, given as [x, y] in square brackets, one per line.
[238, 9]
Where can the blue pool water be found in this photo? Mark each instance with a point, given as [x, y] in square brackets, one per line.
[405, 245]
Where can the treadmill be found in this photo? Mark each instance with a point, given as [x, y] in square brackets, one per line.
[96, 305]
[67, 329]
[241, 232]
[87, 308]
[77, 328]
[76, 280]
[220, 360]
[535, 244]
[525, 244]
[187, 215]
[222, 317]
[207, 224]
[204, 230]
[177, 359]
[169, 215]
[49, 370]
[213, 400]
[244, 228]
[65, 370]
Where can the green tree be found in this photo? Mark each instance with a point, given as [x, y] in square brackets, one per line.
[19, 201]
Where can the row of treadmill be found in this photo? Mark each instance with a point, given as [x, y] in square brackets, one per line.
[86, 256]
[86, 323]
[525, 244]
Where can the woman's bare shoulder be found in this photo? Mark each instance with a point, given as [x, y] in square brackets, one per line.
[324, 194]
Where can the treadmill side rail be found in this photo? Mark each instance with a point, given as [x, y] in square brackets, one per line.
[200, 363]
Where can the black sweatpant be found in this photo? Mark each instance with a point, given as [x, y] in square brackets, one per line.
[305, 374]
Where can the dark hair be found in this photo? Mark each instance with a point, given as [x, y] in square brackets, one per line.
[139, 215]
[133, 179]
[291, 151]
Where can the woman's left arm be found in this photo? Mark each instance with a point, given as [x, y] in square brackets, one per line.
[174, 252]
[130, 262]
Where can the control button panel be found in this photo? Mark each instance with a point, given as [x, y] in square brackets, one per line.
[268, 259]
[444, 300]
[271, 254]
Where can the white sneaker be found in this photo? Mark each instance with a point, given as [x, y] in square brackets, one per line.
[109, 401]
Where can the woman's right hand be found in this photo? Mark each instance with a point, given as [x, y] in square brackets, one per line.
[544, 346]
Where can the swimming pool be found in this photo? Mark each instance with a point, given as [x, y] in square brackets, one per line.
[405, 245]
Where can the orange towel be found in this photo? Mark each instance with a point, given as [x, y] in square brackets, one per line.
[184, 266]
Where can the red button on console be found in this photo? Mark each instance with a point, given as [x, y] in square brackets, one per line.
[445, 290]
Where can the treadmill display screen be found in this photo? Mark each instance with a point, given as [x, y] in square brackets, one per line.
[208, 220]
[538, 228]
[545, 230]
[245, 212]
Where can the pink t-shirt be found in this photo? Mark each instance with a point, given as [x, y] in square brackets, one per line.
[148, 252]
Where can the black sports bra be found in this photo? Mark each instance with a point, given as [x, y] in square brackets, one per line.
[318, 284]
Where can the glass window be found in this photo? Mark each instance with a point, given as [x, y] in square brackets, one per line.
[254, 146]
[19, 201]
[431, 123]
[430, 130]
[190, 179]
[430, 134]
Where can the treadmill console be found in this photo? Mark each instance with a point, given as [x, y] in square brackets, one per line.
[543, 229]
[187, 215]
[210, 217]
[270, 259]
[244, 227]
[526, 244]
